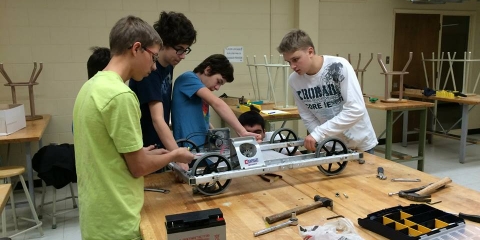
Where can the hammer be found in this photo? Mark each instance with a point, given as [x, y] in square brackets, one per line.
[319, 202]
[424, 194]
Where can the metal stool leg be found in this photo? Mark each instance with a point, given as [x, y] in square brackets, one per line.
[73, 196]
[4, 223]
[54, 203]
[40, 208]
[12, 203]
[32, 208]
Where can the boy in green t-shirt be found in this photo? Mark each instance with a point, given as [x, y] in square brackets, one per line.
[110, 158]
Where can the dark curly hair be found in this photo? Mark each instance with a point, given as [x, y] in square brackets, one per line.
[175, 28]
[218, 63]
[251, 118]
[98, 60]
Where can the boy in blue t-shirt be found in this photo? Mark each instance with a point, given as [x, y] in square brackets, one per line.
[155, 91]
[192, 98]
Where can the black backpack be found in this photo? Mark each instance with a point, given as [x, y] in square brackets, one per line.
[55, 164]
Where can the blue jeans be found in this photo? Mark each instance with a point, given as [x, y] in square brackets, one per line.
[371, 151]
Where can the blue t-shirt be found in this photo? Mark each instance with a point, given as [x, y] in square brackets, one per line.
[190, 114]
[156, 87]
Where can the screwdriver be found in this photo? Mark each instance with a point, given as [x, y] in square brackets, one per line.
[470, 217]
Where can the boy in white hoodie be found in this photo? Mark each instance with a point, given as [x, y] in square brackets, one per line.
[327, 94]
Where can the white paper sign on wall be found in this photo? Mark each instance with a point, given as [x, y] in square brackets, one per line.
[234, 53]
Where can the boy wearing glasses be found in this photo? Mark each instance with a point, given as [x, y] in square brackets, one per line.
[192, 98]
[327, 94]
[110, 158]
[155, 91]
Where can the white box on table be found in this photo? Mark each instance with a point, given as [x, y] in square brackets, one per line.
[12, 118]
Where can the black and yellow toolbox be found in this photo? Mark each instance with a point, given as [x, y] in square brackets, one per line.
[416, 221]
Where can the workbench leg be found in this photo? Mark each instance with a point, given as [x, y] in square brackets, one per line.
[422, 137]
[28, 158]
[405, 129]
[463, 137]
[388, 140]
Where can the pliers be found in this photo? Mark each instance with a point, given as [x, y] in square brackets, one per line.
[270, 177]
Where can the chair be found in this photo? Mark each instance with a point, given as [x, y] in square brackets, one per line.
[53, 202]
[12, 171]
[55, 165]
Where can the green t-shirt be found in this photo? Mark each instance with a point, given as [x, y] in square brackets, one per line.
[106, 120]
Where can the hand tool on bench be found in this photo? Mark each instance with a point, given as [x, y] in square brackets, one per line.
[424, 194]
[470, 217]
[270, 177]
[409, 190]
[293, 221]
[406, 180]
[380, 173]
[319, 202]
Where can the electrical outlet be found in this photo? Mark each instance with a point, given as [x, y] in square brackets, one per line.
[395, 85]
[387, 60]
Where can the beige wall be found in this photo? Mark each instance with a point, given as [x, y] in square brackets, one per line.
[60, 32]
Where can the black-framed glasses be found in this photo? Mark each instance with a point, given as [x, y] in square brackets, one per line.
[154, 55]
[180, 50]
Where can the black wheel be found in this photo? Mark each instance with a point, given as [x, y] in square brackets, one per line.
[285, 135]
[331, 146]
[188, 143]
[207, 164]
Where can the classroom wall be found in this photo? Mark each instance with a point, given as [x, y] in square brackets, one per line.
[367, 26]
[59, 33]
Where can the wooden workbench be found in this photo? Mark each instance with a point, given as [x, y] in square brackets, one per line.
[467, 104]
[404, 107]
[33, 132]
[248, 200]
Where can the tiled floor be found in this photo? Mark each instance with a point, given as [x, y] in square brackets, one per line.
[442, 160]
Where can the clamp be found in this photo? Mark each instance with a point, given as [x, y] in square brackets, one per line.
[270, 177]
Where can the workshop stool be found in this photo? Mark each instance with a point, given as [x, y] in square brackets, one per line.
[6, 173]
[53, 202]
[5, 191]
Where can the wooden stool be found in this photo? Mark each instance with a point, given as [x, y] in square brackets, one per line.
[6, 173]
[5, 190]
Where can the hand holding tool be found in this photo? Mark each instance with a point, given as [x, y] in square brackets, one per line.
[319, 202]
[293, 221]
[380, 173]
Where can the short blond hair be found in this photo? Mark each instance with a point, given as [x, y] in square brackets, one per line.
[295, 40]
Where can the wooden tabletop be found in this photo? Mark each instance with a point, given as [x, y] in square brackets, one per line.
[32, 133]
[248, 200]
[470, 100]
[291, 115]
[408, 104]
[4, 195]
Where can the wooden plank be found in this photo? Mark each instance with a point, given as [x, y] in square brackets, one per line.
[404, 105]
[453, 136]
[248, 200]
[470, 100]
[396, 154]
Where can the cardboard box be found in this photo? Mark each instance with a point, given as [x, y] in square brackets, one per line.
[231, 101]
[12, 118]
